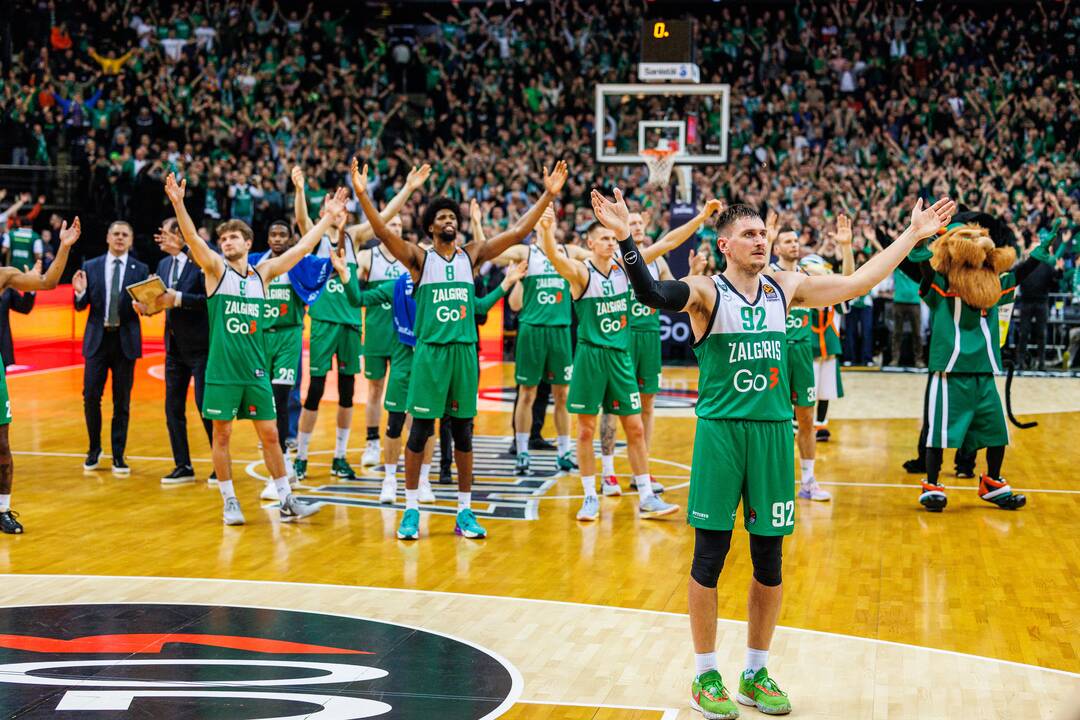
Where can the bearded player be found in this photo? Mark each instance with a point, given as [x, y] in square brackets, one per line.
[743, 445]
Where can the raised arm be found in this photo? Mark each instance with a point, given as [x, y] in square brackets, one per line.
[32, 279]
[411, 256]
[492, 248]
[681, 234]
[513, 254]
[212, 264]
[825, 290]
[574, 271]
[843, 239]
[271, 267]
[362, 232]
[303, 220]
[476, 223]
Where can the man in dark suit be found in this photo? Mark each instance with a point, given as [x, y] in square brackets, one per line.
[187, 343]
[112, 342]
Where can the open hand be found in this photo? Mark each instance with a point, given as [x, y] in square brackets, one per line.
[68, 235]
[359, 177]
[417, 177]
[78, 282]
[843, 230]
[615, 216]
[547, 220]
[475, 216]
[335, 204]
[698, 262]
[297, 177]
[517, 271]
[337, 259]
[174, 191]
[772, 226]
[927, 221]
[553, 183]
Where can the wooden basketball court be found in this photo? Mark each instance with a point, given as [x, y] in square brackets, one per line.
[889, 611]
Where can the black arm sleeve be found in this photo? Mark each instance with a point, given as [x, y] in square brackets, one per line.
[663, 294]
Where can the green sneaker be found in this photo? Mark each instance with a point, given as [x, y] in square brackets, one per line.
[761, 691]
[521, 467]
[340, 468]
[467, 526]
[409, 529]
[300, 468]
[710, 698]
[566, 463]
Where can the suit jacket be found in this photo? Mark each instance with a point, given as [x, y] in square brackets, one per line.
[20, 303]
[187, 328]
[94, 298]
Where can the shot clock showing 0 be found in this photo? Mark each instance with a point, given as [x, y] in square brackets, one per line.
[666, 41]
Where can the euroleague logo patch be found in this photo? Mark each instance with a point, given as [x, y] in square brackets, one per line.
[200, 661]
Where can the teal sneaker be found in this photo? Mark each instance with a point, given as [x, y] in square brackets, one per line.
[409, 529]
[300, 468]
[467, 526]
[566, 463]
[761, 691]
[521, 467]
[710, 698]
[340, 468]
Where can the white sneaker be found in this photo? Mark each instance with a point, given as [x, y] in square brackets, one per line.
[231, 513]
[812, 491]
[269, 492]
[590, 509]
[610, 486]
[292, 509]
[389, 492]
[372, 453]
[427, 495]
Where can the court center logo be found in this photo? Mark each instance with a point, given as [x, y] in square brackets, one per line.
[199, 661]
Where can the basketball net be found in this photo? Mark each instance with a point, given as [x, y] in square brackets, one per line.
[660, 163]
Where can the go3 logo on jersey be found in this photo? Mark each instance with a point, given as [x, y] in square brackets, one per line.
[748, 381]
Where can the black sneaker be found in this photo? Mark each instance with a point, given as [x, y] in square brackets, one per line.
[823, 435]
[9, 524]
[213, 478]
[539, 443]
[180, 474]
[915, 466]
[93, 459]
[445, 476]
[120, 468]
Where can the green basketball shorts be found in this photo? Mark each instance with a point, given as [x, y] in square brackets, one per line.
[396, 397]
[445, 380]
[375, 366]
[334, 339]
[965, 410]
[5, 399]
[542, 354]
[645, 353]
[800, 363]
[748, 460]
[603, 378]
[240, 402]
[283, 349]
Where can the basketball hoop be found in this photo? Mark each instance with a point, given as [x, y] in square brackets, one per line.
[660, 163]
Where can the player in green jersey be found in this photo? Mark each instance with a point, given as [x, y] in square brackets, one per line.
[336, 328]
[25, 281]
[237, 381]
[603, 376]
[23, 247]
[743, 447]
[445, 372]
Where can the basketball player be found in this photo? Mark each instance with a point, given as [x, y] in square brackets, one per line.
[743, 445]
[237, 382]
[25, 281]
[445, 372]
[336, 331]
[824, 324]
[603, 375]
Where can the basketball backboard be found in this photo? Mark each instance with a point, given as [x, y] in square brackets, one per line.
[633, 117]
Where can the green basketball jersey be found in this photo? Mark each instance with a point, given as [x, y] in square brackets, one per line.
[823, 324]
[445, 311]
[964, 339]
[743, 356]
[283, 307]
[642, 317]
[237, 355]
[546, 294]
[380, 335]
[332, 305]
[603, 308]
[22, 242]
[798, 319]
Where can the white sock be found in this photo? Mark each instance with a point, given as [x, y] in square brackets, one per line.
[282, 486]
[5, 503]
[464, 500]
[341, 442]
[756, 659]
[607, 464]
[807, 468]
[644, 485]
[704, 662]
[588, 484]
[522, 440]
[303, 440]
[425, 473]
[391, 473]
[562, 442]
[412, 499]
[225, 487]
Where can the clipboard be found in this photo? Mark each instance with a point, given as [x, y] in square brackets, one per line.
[147, 291]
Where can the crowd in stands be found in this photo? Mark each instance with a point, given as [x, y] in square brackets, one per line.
[854, 107]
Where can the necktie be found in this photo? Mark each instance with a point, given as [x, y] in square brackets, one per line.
[114, 296]
[175, 271]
